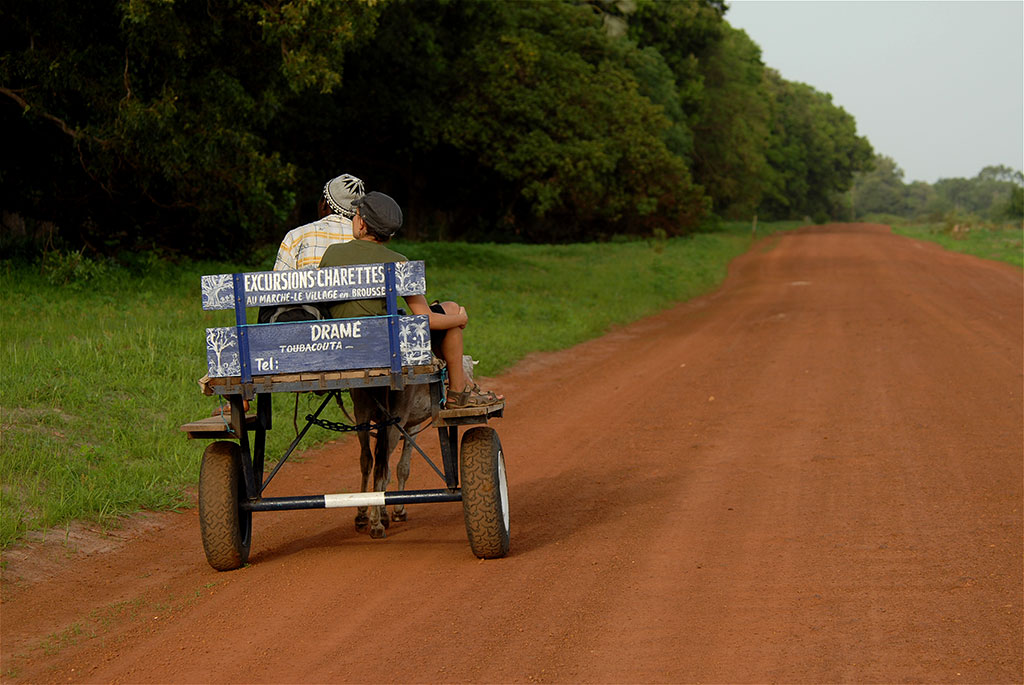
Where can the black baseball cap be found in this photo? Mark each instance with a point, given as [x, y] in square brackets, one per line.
[380, 211]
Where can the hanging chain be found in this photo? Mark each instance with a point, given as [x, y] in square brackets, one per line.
[342, 427]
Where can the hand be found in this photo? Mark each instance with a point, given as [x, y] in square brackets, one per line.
[464, 315]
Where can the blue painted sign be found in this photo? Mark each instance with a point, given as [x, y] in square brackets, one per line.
[331, 345]
[331, 284]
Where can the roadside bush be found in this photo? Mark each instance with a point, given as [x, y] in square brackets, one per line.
[72, 269]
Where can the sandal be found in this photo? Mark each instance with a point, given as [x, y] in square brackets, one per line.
[494, 397]
[472, 396]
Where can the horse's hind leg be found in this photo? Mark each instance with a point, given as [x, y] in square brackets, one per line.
[365, 410]
[402, 472]
[365, 467]
[386, 439]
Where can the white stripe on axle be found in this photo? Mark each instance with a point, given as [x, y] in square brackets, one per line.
[355, 499]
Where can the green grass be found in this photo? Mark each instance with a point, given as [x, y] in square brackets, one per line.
[101, 363]
[1001, 243]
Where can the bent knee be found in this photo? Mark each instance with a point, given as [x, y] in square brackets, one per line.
[450, 307]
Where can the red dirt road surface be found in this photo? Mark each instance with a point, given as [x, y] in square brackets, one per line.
[812, 475]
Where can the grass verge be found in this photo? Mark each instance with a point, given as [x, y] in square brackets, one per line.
[1001, 243]
[101, 362]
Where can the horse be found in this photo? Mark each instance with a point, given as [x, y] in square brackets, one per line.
[412, 408]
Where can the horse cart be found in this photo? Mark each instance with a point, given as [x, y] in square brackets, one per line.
[247, 362]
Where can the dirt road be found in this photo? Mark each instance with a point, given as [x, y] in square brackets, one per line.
[813, 475]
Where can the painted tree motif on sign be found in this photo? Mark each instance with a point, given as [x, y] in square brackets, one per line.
[414, 339]
[220, 359]
[410, 278]
[218, 292]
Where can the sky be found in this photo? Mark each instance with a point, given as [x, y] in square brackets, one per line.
[936, 85]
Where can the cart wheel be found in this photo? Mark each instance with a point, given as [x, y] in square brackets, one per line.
[226, 530]
[484, 492]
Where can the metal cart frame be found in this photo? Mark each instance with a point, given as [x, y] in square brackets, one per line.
[232, 478]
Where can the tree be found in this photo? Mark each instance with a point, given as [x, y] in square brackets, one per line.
[814, 151]
[989, 195]
[151, 121]
[1013, 210]
[921, 201]
[569, 126]
[732, 130]
[210, 127]
[880, 190]
[683, 33]
[1001, 173]
[528, 115]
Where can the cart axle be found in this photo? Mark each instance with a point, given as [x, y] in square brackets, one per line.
[356, 499]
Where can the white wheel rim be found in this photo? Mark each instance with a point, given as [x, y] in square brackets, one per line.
[503, 488]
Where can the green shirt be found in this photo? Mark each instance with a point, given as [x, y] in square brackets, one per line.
[359, 252]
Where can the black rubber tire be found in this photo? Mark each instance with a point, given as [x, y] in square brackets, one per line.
[484, 493]
[226, 530]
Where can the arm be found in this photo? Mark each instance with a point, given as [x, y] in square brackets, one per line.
[438, 322]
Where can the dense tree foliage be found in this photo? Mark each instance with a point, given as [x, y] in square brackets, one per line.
[995, 194]
[880, 190]
[730, 150]
[204, 126]
[519, 120]
[814, 151]
[153, 120]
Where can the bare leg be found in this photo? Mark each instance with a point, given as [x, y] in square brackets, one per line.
[451, 350]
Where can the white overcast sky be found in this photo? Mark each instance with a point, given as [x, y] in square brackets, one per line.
[936, 85]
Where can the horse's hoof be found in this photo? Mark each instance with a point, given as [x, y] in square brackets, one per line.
[378, 533]
[362, 523]
[399, 516]
[385, 520]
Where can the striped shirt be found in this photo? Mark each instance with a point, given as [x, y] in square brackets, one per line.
[303, 247]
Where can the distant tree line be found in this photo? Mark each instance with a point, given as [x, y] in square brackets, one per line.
[206, 126]
[996, 194]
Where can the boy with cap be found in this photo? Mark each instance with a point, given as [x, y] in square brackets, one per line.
[377, 218]
[303, 247]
